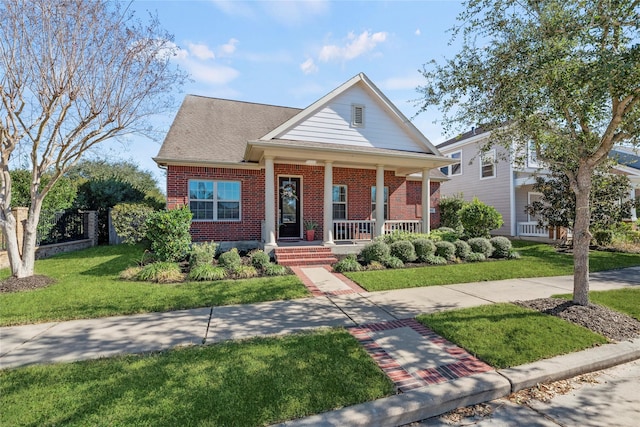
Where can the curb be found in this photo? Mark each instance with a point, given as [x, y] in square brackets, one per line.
[434, 400]
[570, 365]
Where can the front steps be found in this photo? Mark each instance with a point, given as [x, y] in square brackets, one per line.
[304, 256]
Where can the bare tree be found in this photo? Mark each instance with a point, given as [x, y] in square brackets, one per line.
[73, 73]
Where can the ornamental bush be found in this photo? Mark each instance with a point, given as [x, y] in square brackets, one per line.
[403, 250]
[462, 249]
[161, 272]
[450, 211]
[375, 251]
[480, 245]
[168, 232]
[446, 250]
[207, 272]
[436, 260]
[129, 221]
[350, 263]
[272, 269]
[501, 247]
[603, 237]
[445, 233]
[424, 248]
[245, 272]
[392, 262]
[260, 259]
[479, 218]
[202, 253]
[230, 260]
[475, 257]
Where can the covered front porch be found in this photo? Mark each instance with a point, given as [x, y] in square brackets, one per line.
[335, 189]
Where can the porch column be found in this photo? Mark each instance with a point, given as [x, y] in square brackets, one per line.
[269, 203]
[632, 195]
[327, 223]
[380, 200]
[426, 201]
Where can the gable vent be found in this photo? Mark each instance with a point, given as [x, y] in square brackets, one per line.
[357, 115]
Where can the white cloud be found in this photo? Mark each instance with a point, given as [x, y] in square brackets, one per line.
[354, 47]
[401, 83]
[200, 51]
[309, 66]
[418, 32]
[229, 47]
[211, 74]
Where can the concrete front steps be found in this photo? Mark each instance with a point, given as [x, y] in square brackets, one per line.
[304, 256]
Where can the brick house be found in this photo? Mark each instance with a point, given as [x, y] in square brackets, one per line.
[257, 173]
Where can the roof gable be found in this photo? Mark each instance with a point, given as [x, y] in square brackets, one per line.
[329, 120]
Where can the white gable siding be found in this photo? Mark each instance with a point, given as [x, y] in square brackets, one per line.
[495, 192]
[332, 124]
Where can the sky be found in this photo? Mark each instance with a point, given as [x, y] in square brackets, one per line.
[291, 53]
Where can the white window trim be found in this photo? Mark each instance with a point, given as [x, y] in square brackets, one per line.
[490, 153]
[215, 200]
[460, 161]
[345, 203]
[353, 115]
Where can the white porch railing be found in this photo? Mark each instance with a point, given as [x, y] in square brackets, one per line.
[409, 226]
[352, 230]
[532, 229]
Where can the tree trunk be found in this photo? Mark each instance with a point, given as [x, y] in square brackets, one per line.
[581, 236]
[22, 254]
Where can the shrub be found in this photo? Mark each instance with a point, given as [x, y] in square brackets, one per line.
[475, 257]
[161, 272]
[450, 211]
[260, 259]
[481, 245]
[168, 232]
[404, 250]
[230, 260]
[245, 271]
[375, 265]
[478, 219]
[446, 250]
[513, 254]
[603, 237]
[349, 263]
[375, 251]
[207, 272]
[202, 253]
[436, 260]
[130, 273]
[129, 221]
[446, 234]
[462, 249]
[501, 247]
[424, 248]
[272, 269]
[392, 262]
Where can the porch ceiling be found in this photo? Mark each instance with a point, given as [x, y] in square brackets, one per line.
[403, 162]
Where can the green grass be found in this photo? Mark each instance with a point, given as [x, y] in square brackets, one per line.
[88, 286]
[625, 300]
[250, 383]
[505, 335]
[537, 260]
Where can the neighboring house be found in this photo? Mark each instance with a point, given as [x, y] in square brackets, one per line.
[495, 179]
[256, 173]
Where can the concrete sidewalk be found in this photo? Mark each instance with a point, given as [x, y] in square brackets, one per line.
[434, 375]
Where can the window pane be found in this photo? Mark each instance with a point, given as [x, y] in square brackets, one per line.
[456, 169]
[228, 191]
[339, 211]
[339, 193]
[202, 190]
[228, 210]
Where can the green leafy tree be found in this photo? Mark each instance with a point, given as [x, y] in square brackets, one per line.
[609, 195]
[450, 211]
[61, 196]
[563, 75]
[72, 75]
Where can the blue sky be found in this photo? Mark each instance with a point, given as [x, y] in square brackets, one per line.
[291, 53]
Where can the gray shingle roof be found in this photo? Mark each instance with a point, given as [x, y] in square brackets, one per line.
[217, 130]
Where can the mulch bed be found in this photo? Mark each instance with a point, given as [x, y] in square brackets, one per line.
[13, 284]
[602, 320]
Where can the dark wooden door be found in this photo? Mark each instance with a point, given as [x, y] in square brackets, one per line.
[289, 207]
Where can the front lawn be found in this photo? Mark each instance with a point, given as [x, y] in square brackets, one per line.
[505, 335]
[537, 260]
[249, 383]
[88, 286]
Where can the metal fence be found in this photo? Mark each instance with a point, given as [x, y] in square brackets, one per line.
[60, 227]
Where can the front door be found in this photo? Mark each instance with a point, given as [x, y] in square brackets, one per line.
[289, 207]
